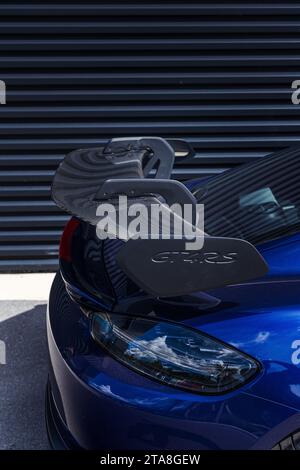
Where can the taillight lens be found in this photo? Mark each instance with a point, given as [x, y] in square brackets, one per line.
[65, 252]
[175, 355]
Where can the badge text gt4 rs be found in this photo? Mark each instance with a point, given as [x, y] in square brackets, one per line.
[178, 257]
[164, 268]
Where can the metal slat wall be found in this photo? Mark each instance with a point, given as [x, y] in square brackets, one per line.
[215, 73]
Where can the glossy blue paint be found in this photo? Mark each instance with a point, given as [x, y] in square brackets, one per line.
[283, 256]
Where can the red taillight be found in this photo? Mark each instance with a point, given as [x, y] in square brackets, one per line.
[66, 240]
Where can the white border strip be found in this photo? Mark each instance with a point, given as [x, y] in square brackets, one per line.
[25, 286]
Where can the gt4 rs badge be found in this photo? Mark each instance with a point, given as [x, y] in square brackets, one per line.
[192, 257]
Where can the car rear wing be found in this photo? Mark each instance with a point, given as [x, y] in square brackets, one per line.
[140, 168]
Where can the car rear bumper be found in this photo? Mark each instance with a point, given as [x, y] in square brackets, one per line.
[58, 435]
[96, 403]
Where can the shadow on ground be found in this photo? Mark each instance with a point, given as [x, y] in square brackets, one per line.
[23, 377]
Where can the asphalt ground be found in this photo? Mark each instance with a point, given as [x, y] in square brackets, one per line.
[23, 374]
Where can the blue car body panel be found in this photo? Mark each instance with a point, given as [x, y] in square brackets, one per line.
[103, 404]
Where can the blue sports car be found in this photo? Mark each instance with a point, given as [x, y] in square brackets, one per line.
[155, 346]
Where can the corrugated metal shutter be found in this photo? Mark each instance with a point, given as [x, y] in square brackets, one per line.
[215, 73]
